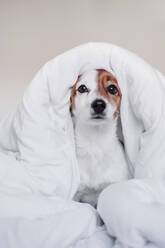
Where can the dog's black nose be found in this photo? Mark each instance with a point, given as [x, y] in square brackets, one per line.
[98, 105]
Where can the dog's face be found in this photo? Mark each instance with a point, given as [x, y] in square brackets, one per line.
[95, 97]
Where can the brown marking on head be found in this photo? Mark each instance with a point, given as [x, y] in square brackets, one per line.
[104, 79]
[73, 94]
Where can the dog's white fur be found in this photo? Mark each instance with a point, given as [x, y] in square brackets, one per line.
[100, 154]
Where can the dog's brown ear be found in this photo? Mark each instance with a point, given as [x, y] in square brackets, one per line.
[73, 94]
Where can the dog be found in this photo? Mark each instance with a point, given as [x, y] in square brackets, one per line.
[95, 105]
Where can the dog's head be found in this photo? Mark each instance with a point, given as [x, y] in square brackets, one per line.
[95, 97]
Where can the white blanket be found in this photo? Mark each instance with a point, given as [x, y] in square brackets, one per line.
[38, 168]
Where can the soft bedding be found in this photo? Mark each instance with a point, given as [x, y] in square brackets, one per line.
[38, 168]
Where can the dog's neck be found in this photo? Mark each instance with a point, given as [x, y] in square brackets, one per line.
[95, 137]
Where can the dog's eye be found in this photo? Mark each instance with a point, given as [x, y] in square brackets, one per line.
[112, 89]
[82, 88]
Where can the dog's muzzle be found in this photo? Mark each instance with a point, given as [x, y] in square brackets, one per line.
[98, 106]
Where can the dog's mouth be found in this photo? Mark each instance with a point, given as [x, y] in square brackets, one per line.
[98, 117]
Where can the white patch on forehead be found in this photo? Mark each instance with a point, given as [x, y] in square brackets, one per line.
[89, 78]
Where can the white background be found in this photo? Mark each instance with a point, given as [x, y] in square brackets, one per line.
[34, 31]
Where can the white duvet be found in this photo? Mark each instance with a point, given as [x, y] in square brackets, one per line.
[38, 168]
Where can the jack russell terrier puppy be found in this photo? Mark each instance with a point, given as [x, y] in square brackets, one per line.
[95, 106]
